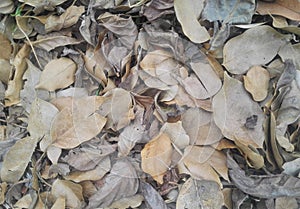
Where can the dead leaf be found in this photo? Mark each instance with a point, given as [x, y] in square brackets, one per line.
[292, 167]
[239, 118]
[5, 46]
[156, 156]
[58, 73]
[152, 198]
[7, 6]
[17, 159]
[60, 203]
[200, 195]
[77, 123]
[120, 183]
[286, 8]
[72, 192]
[286, 202]
[15, 84]
[229, 12]
[187, 13]
[205, 163]
[5, 70]
[128, 202]
[67, 19]
[256, 82]
[253, 47]
[282, 23]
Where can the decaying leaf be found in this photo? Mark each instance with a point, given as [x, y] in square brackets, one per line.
[239, 118]
[77, 123]
[120, 183]
[17, 159]
[67, 19]
[286, 8]
[58, 73]
[5, 46]
[256, 82]
[187, 13]
[253, 47]
[205, 163]
[200, 195]
[71, 191]
[156, 156]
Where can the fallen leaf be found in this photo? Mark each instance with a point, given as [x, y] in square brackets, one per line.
[152, 198]
[239, 118]
[72, 192]
[286, 202]
[256, 82]
[60, 203]
[128, 202]
[120, 183]
[228, 11]
[253, 47]
[77, 123]
[156, 156]
[67, 19]
[58, 73]
[5, 70]
[7, 7]
[200, 195]
[292, 167]
[286, 8]
[282, 23]
[17, 159]
[205, 163]
[156, 9]
[5, 46]
[187, 13]
[12, 94]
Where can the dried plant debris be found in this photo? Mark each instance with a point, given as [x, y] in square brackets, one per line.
[150, 104]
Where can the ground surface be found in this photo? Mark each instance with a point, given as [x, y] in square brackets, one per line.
[149, 104]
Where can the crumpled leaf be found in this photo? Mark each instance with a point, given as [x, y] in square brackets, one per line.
[200, 195]
[256, 82]
[153, 199]
[58, 73]
[253, 47]
[158, 8]
[7, 7]
[286, 8]
[281, 185]
[117, 108]
[204, 163]
[239, 118]
[71, 191]
[17, 159]
[12, 94]
[228, 11]
[200, 127]
[121, 182]
[67, 19]
[77, 123]
[156, 156]
[187, 13]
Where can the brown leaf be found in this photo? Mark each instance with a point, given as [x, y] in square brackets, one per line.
[5, 46]
[156, 156]
[58, 73]
[67, 19]
[17, 159]
[253, 47]
[7, 6]
[121, 182]
[256, 82]
[239, 118]
[77, 123]
[71, 191]
[200, 194]
[187, 13]
[5, 70]
[286, 8]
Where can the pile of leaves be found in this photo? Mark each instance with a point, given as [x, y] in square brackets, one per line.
[150, 104]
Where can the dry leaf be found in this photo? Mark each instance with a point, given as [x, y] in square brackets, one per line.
[5, 70]
[239, 118]
[71, 191]
[205, 163]
[77, 123]
[60, 203]
[58, 73]
[17, 159]
[121, 182]
[67, 19]
[128, 202]
[187, 13]
[286, 8]
[253, 47]
[256, 82]
[156, 156]
[7, 6]
[5, 46]
[12, 94]
[200, 195]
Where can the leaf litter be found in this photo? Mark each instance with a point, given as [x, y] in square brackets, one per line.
[149, 104]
